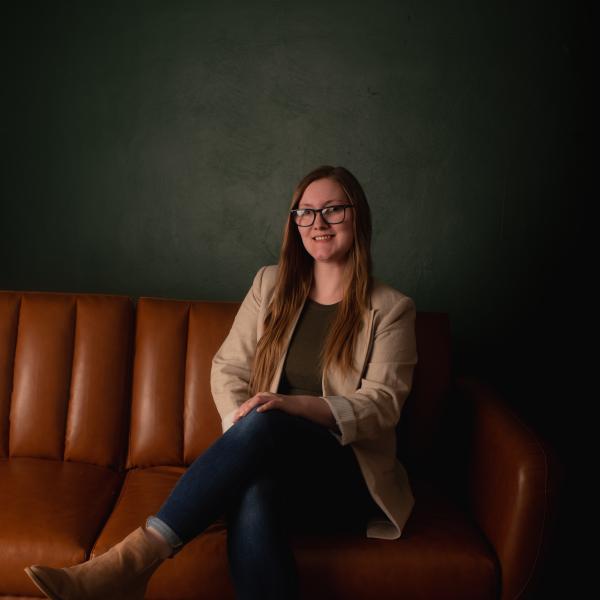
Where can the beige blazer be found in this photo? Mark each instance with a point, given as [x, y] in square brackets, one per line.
[366, 407]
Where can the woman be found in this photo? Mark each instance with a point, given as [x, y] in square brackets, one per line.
[308, 437]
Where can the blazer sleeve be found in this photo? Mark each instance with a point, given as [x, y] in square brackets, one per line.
[387, 382]
[231, 365]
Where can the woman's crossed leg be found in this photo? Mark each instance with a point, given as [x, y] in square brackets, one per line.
[270, 473]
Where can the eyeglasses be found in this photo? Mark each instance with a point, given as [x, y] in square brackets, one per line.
[305, 217]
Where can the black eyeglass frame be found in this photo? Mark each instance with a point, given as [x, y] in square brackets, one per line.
[314, 212]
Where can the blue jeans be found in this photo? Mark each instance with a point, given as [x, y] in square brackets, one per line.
[269, 474]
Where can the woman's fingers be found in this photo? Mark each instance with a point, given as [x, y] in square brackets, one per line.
[264, 406]
[246, 407]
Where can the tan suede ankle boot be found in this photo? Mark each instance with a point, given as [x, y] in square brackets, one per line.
[120, 573]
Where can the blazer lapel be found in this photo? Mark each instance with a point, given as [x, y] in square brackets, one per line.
[336, 383]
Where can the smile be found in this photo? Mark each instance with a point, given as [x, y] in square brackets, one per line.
[322, 238]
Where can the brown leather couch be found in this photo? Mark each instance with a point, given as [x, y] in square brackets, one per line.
[104, 401]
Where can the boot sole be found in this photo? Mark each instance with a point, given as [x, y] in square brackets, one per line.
[41, 585]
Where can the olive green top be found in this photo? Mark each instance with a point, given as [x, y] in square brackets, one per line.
[301, 374]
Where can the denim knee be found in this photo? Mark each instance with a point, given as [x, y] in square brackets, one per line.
[269, 422]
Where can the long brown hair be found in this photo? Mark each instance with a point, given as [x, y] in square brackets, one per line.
[294, 280]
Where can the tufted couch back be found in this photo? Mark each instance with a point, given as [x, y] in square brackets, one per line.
[64, 376]
[91, 378]
[173, 416]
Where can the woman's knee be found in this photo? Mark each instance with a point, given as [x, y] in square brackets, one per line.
[268, 423]
[289, 442]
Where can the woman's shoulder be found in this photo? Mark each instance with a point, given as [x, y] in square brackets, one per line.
[384, 296]
[269, 274]
[270, 271]
[264, 279]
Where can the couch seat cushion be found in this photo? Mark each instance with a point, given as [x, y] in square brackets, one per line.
[200, 570]
[439, 538]
[50, 513]
[441, 554]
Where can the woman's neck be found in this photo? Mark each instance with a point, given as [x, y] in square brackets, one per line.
[328, 284]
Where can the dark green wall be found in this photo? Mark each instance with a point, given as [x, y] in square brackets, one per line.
[151, 148]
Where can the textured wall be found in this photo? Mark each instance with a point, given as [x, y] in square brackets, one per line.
[151, 148]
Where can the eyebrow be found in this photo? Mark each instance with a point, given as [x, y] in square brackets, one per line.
[326, 203]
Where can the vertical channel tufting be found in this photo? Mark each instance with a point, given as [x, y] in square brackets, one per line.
[209, 324]
[186, 371]
[75, 306]
[98, 404]
[156, 430]
[10, 303]
[43, 359]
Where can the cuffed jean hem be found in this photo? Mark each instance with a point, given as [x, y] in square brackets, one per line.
[172, 538]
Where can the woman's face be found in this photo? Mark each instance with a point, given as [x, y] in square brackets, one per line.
[335, 248]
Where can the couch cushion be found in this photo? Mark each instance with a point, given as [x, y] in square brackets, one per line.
[173, 415]
[439, 538]
[50, 514]
[65, 363]
[441, 554]
[423, 413]
[200, 570]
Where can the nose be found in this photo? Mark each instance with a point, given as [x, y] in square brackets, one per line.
[323, 221]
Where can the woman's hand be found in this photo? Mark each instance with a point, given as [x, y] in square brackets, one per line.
[295, 405]
[310, 407]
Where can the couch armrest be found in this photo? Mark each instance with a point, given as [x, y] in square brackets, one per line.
[513, 479]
